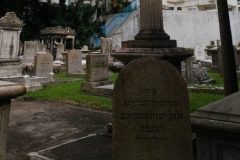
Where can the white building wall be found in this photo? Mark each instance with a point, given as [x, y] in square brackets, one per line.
[197, 4]
[189, 28]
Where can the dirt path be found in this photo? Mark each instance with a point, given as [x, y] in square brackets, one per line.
[36, 125]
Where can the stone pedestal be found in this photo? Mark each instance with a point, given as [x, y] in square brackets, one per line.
[10, 67]
[10, 29]
[7, 92]
[217, 128]
[172, 55]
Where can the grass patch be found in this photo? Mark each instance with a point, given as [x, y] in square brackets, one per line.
[113, 77]
[219, 79]
[201, 99]
[216, 76]
[63, 76]
[71, 92]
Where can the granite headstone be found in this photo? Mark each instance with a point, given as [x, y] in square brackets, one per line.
[151, 113]
[74, 62]
[43, 65]
[97, 67]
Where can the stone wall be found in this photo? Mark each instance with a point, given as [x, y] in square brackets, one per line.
[189, 28]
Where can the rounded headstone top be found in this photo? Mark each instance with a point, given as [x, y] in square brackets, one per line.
[11, 20]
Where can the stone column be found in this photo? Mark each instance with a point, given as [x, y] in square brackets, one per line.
[7, 92]
[151, 21]
[73, 43]
[52, 43]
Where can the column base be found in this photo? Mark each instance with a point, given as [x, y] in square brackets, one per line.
[149, 44]
[152, 35]
[172, 55]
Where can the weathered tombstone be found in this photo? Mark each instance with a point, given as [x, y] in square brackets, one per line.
[151, 113]
[96, 71]
[97, 68]
[74, 62]
[43, 65]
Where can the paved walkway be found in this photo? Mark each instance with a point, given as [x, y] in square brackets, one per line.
[38, 125]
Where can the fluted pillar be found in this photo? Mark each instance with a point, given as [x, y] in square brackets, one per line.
[151, 21]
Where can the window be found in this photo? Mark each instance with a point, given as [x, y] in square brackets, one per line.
[179, 8]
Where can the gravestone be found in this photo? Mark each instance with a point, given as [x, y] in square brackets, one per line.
[31, 48]
[74, 62]
[97, 68]
[96, 72]
[43, 65]
[151, 113]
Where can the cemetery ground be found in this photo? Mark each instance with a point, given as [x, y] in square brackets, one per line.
[51, 116]
[67, 89]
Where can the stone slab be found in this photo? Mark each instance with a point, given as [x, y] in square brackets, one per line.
[103, 90]
[217, 128]
[151, 113]
[92, 147]
[39, 125]
[222, 115]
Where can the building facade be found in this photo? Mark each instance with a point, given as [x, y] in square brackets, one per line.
[198, 5]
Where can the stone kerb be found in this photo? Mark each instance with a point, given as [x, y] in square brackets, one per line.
[151, 113]
[43, 65]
